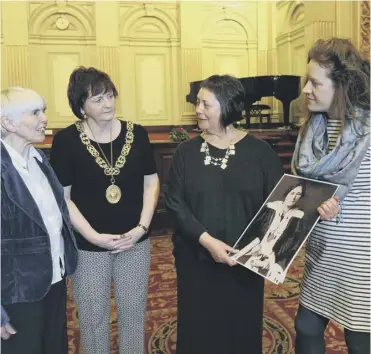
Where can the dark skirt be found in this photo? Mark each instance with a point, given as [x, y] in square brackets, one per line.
[220, 308]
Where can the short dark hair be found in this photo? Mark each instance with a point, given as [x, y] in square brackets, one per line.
[301, 183]
[85, 82]
[230, 94]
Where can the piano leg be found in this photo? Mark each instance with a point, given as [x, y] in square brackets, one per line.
[286, 114]
[247, 115]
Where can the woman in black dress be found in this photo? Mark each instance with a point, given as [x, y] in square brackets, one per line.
[217, 183]
[111, 186]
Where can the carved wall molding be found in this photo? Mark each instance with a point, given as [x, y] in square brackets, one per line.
[67, 21]
[137, 18]
[239, 23]
[224, 44]
[293, 17]
[149, 37]
[62, 40]
[297, 15]
[290, 36]
[229, 44]
[282, 3]
[145, 28]
[225, 33]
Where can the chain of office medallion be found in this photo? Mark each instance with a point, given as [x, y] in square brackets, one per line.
[120, 162]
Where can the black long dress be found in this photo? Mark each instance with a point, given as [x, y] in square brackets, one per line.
[220, 308]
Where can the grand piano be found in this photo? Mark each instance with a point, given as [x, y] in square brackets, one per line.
[283, 87]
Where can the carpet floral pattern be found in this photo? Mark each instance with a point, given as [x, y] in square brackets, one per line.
[281, 302]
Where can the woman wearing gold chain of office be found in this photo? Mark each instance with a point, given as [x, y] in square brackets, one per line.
[107, 168]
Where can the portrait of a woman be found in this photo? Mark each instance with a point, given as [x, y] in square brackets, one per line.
[275, 234]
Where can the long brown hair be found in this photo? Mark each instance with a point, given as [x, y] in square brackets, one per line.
[349, 72]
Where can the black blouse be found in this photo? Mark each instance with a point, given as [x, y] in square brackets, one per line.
[221, 202]
[75, 167]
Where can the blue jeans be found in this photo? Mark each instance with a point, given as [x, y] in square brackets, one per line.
[310, 339]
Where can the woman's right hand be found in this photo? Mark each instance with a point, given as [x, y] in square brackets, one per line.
[330, 208]
[7, 330]
[110, 241]
[218, 249]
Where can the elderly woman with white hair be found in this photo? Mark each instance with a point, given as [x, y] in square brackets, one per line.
[38, 248]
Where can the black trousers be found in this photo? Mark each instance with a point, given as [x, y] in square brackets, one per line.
[310, 335]
[40, 325]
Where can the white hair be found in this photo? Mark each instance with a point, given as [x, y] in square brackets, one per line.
[17, 100]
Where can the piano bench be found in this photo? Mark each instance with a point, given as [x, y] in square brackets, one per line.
[256, 111]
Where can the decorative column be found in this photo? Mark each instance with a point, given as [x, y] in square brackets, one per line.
[108, 61]
[107, 40]
[15, 36]
[319, 21]
[264, 34]
[191, 54]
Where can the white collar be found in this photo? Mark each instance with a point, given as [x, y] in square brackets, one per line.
[19, 160]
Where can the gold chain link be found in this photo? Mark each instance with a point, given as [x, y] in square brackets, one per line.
[120, 162]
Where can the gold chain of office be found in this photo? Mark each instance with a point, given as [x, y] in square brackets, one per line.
[120, 162]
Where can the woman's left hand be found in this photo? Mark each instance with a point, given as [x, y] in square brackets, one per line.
[133, 235]
[328, 209]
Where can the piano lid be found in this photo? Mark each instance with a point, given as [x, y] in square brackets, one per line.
[256, 87]
[283, 87]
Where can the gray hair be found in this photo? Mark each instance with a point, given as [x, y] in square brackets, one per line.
[17, 100]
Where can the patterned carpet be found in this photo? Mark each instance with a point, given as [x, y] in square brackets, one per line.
[280, 308]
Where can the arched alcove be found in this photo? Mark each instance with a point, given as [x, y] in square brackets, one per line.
[226, 30]
[294, 17]
[229, 25]
[141, 21]
[297, 16]
[225, 44]
[148, 38]
[149, 27]
[46, 21]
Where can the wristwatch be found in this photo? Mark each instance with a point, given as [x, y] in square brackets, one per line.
[143, 227]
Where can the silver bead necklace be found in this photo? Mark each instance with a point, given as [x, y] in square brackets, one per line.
[217, 161]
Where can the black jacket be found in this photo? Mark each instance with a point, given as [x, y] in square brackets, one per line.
[26, 261]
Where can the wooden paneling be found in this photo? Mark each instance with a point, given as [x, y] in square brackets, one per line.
[163, 154]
